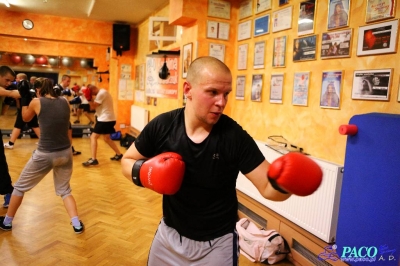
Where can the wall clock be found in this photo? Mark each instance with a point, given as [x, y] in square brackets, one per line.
[28, 24]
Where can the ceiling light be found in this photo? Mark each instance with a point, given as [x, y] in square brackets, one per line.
[6, 3]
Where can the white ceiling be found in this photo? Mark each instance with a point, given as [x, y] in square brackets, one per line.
[117, 11]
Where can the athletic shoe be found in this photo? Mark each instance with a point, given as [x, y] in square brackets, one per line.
[79, 229]
[8, 146]
[4, 227]
[91, 162]
[116, 157]
[7, 198]
[77, 122]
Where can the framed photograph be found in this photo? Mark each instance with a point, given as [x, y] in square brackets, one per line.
[338, 14]
[262, 5]
[217, 30]
[304, 48]
[283, 2]
[256, 87]
[336, 44]
[372, 84]
[379, 10]
[279, 52]
[244, 30]
[331, 88]
[259, 55]
[242, 56]
[245, 9]
[378, 38]
[261, 25]
[187, 58]
[305, 24]
[217, 50]
[240, 86]
[219, 9]
[282, 19]
[275, 95]
[300, 88]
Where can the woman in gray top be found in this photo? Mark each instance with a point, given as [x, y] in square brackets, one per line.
[53, 152]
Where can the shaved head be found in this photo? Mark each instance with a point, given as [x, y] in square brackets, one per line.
[203, 65]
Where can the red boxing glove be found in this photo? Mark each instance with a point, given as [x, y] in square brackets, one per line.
[295, 173]
[162, 173]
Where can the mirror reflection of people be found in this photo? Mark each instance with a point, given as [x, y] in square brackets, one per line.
[330, 97]
[339, 17]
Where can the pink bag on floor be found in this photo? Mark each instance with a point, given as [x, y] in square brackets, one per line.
[261, 245]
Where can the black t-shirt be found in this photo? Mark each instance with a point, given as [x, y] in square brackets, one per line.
[206, 205]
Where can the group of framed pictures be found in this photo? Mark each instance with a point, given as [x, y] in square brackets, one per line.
[367, 85]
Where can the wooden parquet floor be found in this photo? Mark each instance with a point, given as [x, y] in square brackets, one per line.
[120, 218]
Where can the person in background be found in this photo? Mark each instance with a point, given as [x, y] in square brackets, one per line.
[65, 81]
[53, 152]
[192, 156]
[75, 92]
[19, 123]
[32, 81]
[105, 122]
[7, 75]
[86, 96]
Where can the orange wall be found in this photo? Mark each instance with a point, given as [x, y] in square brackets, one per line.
[73, 38]
[311, 127]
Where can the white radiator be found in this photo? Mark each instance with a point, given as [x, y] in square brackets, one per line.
[139, 117]
[317, 213]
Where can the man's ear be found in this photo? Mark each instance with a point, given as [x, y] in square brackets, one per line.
[187, 90]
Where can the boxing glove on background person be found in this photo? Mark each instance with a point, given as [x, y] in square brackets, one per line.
[295, 173]
[162, 173]
[24, 91]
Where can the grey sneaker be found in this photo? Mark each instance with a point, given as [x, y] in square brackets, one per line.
[91, 162]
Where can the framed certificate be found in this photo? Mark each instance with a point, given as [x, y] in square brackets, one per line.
[379, 10]
[282, 19]
[244, 30]
[219, 9]
[245, 9]
[262, 5]
[275, 95]
[240, 86]
[187, 58]
[217, 30]
[261, 25]
[242, 56]
[217, 50]
[279, 52]
[259, 55]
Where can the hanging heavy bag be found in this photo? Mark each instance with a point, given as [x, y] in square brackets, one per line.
[266, 246]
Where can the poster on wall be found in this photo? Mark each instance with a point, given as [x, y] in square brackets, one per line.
[240, 87]
[336, 44]
[379, 9]
[219, 9]
[306, 17]
[371, 84]
[276, 88]
[304, 48]
[338, 14]
[256, 88]
[331, 88]
[162, 88]
[300, 88]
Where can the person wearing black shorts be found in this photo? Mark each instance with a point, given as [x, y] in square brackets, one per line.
[105, 122]
[19, 123]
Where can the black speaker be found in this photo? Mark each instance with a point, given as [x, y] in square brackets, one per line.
[121, 38]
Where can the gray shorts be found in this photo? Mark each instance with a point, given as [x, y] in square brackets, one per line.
[40, 164]
[170, 248]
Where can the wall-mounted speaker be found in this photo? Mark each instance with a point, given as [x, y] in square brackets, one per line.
[121, 38]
